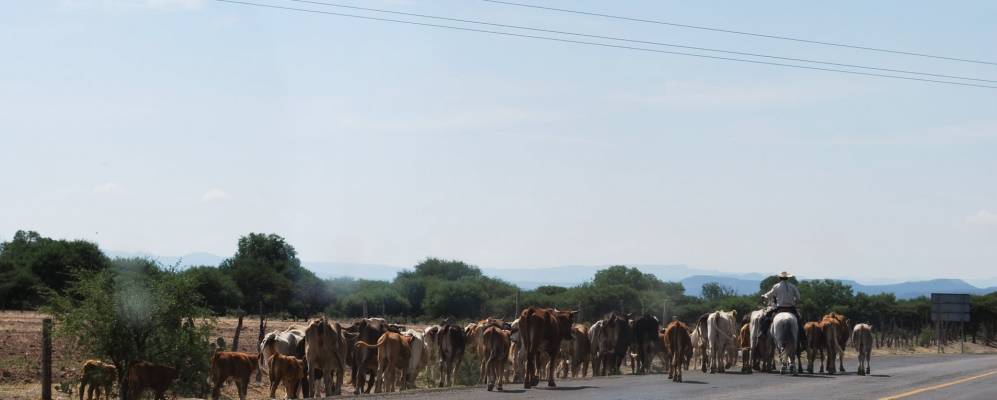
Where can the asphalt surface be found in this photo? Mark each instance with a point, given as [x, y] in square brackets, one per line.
[949, 377]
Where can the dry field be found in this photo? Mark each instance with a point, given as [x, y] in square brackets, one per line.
[20, 355]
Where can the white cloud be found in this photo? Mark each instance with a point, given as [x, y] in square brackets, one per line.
[109, 187]
[214, 194]
[983, 217]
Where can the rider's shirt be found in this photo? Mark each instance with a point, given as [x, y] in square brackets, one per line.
[783, 294]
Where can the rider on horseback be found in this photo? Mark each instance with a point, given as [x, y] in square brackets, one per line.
[782, 298]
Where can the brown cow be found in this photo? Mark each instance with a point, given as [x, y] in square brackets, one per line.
[100, 376]
[843, 334]
[831, 326]
[495, 346]
[144, 375]
[325, 350]
[393, 353]
[543, 329]
[363, 361]
[744, 343]
[815, 345]
[288, 371]
[235, 365]
[679, 346]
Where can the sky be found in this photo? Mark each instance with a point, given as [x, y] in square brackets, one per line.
[176, 126]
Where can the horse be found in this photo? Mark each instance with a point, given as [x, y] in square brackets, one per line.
[785, 333]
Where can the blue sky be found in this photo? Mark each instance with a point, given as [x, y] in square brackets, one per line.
[174, 126]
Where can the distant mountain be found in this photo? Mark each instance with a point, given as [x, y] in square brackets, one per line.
[572, 275]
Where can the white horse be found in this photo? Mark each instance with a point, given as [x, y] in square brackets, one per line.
[862, 340]
[785, 331]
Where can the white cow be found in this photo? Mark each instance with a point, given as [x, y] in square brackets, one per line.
[722, 333]
[862, 340]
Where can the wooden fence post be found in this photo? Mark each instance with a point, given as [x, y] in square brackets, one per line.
[263, 328]
[47, 359]
[238, 329]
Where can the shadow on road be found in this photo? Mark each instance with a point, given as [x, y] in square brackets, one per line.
[880, 375]
[694, 382]
[810, 376]
[569, 387]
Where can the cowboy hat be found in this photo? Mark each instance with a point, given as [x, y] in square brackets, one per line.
[785, 275]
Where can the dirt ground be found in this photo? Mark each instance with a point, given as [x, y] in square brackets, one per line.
[20, 355]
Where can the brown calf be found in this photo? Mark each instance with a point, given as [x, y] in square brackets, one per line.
[495, 341]
[286, 370]
[235, 365]
[393, 352]
[100, 376]
[815, 345]
[679, 346]
[144, 375]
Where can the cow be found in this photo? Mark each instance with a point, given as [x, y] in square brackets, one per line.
[610, 339]
[517, 355]
[762, 347]
[287, 370]
[393, 353]
[831, 326]
[844, 332]
[581, 351]
[325, 351]
[701, 342]
[144, 375]
[645, 339]
[450, 340]
[289, 342]
[862, 340]
[363, 361]
[722, 333]
[100, 376]
[418, 359]
[232, 364]
[678, 345]
[473, 332]
[815, 345]
[542, 330]
[432, 350]
[744, 343]
[495, 352]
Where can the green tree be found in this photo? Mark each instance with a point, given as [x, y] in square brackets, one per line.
[31, 264]
[713, 291]
[266, 269]
[219, 291]
[124, 317]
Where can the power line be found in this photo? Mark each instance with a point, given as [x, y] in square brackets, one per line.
[606, 44]
[479, 22]
[706, 28]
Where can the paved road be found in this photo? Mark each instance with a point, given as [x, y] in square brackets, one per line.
[949, 377]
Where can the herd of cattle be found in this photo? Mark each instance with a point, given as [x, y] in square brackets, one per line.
[383, 357]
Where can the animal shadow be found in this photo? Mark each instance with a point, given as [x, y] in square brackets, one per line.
[693, 382]
[571, 387]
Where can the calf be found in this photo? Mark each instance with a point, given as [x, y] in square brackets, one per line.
[393, 353]
[815, 345]
[744, 342]
[862, 340]
[100, 376]
[288, 371]
[495, 341]
[144, 375]
[679, 346]
[232, 364]
[831, 327]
